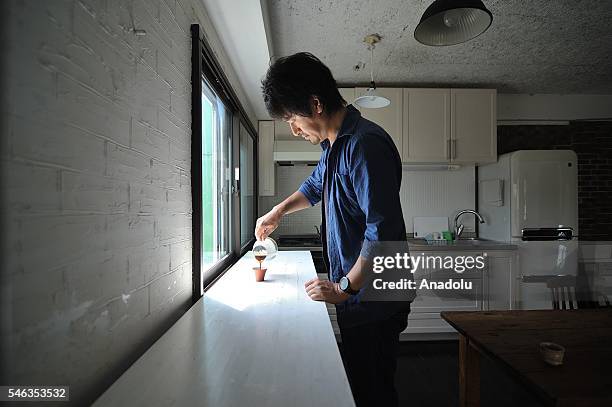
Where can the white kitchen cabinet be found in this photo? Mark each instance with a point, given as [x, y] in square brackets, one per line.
[348, 94]
[501, 282]
[424, 317]
[456, 126]
[431, 125]
[436, 301]
[473, 129]
[282, 131]
[390, 117]
[426, 125]
[493, 288]
[266, 158]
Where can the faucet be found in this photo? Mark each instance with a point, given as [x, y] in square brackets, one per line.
[459, 227]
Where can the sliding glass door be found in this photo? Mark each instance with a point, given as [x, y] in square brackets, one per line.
[216, 177]
[223, 169]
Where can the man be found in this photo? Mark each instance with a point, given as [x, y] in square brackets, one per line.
[358, 180]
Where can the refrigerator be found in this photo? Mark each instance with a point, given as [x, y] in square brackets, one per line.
[530, 198]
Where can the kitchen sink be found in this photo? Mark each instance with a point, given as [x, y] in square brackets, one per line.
[461, 244]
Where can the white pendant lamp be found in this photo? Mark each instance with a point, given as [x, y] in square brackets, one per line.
[450, 22]
[371, 100]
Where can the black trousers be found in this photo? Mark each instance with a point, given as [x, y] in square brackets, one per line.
[369, 353]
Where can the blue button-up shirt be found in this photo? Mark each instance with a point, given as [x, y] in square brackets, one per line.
[362, 174]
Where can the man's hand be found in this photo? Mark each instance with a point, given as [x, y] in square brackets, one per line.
[267, 223]
[323, 290]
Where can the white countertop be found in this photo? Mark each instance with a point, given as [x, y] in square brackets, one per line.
[243, 344]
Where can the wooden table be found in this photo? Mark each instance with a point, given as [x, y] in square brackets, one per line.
[243, 344]
[512, 338]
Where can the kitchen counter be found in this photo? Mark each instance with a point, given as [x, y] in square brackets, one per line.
[421, 244]
[243, 343]
[301, 248]
[460, 245]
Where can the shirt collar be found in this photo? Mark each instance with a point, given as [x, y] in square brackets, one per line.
[350, 121]
[348, 124]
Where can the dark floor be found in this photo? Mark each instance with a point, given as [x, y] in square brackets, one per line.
[427, 376]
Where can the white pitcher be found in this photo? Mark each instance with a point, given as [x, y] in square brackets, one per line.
[265, 248]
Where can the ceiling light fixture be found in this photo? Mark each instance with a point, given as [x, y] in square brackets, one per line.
[371, 100]
[450, 22]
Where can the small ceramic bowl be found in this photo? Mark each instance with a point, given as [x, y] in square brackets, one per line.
[260, 273]
[552, 353]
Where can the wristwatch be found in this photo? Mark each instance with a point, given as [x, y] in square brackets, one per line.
[345, 285]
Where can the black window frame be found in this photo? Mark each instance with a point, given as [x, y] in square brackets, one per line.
[206, 67]
[243, 248]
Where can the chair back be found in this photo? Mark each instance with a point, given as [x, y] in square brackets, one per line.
[563, 291]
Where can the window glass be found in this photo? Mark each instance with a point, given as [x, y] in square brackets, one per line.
[216, 178]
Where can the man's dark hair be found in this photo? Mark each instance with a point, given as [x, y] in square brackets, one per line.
[292, 81]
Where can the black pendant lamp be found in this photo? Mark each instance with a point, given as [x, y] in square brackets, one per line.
[450, 22]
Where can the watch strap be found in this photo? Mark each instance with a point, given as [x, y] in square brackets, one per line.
[349, 289]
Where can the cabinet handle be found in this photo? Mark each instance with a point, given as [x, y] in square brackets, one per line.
[448, 149]
[453, 148]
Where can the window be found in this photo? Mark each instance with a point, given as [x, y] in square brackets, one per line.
[247, 187]
[223, 169]
[216, 177]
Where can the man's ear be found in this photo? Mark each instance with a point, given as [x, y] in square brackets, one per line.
[317, 106]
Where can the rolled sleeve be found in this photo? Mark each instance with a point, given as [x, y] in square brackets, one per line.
[312, 187]
[376, 178]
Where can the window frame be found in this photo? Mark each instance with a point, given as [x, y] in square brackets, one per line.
[247, 246]
[206, 67]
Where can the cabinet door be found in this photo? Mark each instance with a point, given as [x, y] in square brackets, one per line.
[473, 126]
[266, 158]
[501, 280]
[426, 307]
[282, 131]
[390, 117]
[438, 300]
[426, 132]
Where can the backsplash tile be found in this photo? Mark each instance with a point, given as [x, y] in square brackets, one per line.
[423, 193]
[288, 180]
[438, 193]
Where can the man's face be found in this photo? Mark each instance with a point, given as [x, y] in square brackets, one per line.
[309, 128]
[305, 127]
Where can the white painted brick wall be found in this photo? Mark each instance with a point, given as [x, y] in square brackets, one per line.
[96, 200]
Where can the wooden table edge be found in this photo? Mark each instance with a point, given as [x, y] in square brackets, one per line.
[531, 387]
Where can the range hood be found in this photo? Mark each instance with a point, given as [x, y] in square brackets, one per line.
[296, 151]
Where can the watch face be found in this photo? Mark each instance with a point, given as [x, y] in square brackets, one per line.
[344, 283]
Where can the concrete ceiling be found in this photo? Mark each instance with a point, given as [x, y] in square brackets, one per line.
[536, 46]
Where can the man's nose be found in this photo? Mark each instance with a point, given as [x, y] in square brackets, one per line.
[295, 130]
